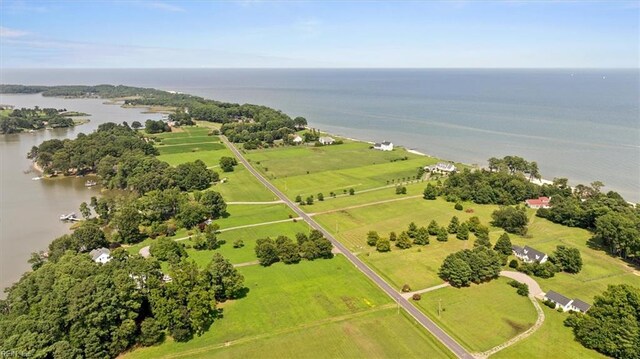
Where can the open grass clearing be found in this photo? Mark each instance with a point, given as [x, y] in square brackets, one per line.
[376, 334]
[481, 316]
[170, 141]
[210, 158]
[246, 214]
[248, 236]
[197, 147]
[339, 181]
[552, 340]
[297, 160]
[241, 186]
[282, 297]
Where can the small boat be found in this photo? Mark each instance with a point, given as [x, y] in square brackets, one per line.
[90, 183]
[36, 178]
[68, 217]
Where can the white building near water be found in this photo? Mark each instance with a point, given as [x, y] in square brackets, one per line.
[383, 146]
[297, 139]
[326, 140]
[442, 167]
[100, 255]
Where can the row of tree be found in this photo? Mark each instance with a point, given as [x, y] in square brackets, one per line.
[284, 249]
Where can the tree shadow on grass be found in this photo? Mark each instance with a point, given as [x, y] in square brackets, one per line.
[597, 245]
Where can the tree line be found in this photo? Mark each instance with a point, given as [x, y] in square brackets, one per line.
[36, 118]
[284, 249]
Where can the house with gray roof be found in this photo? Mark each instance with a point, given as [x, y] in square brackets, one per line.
[326, 140]
[383, 146]
[100, 255]
[565, 303]
[442, 167]
[529, 255]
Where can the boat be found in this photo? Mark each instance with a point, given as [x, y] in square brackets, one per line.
[68, 217]
[36, 178]
[90, 183]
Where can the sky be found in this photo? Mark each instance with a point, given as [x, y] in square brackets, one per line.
[329, 34]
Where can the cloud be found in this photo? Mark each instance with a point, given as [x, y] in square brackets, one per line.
[7, 32]
[165, 7]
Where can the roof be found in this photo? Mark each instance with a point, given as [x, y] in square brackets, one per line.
[377, 144]
[533, 253]
[517, 249]
[538, 201]
[322, 139]
[96, 253]
[444, 166]
[557, 298]
[582, 306]
[386, 143]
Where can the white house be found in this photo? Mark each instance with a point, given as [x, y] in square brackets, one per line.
[297, 140]
[442, 167]
[565, 303]
[326, 140]
[383, 146]
[100, 255]
[540, 202]
[529, 255]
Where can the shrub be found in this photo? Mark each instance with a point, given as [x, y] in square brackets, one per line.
[416, 297]
[238, 243]
[513, 264]
[549, 304]
[406, 288]
[150, 332]
[458, 206]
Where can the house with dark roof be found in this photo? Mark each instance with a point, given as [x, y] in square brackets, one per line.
[383, 146]
[540, 202]
[565, 303]
[529, 255]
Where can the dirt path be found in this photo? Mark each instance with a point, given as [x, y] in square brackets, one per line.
[408, 295]
[246, 264]
[365, 205]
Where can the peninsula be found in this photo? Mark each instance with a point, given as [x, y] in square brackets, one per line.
[231, 229]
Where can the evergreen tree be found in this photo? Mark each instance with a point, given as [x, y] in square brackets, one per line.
[463, 232]
[503, 245]
[422, 236]
[404, 241]
[453, 225]
[433, 228]
[442, 235]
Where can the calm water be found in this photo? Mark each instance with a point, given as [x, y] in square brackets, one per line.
[29, 209]
[580, 124]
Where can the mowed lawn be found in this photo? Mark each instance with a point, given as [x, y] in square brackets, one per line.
[341, 180]
[247, 214]
[291, 161]
[598, 271]
[552, 340]
[296, 297]
[379, 334]
[482, 316]
[248, 236]
[241, 186]
[189, 147]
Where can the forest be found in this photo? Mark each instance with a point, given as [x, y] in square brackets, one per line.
[25, 119]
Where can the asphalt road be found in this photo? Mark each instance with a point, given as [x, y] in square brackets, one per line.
[449, 342]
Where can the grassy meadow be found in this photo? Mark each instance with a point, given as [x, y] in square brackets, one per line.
[287, 304]
[480, 317]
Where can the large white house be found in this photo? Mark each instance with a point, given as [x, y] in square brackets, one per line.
[326, 140]
[442, 167]
[565, 303]
[529, 255]
[100, 255]
[383, 146]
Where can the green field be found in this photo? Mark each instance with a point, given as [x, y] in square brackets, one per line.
[246, 214]
[480, 317]
[210, 158]
[324, 297]
[241, 186]
[189, 147]
[248, 236]
[552, 340]
[168, 141]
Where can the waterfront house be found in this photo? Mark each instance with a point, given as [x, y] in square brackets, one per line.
[383, 146]
[540, 202]
[100, 255]
[565, 303]
[442, 167]
[528, 254]
[297, 140]
[326, 140]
